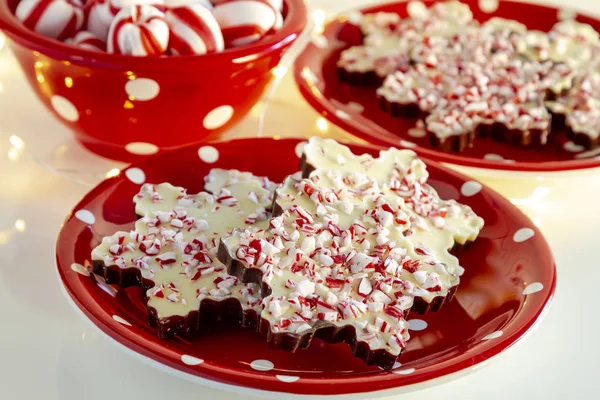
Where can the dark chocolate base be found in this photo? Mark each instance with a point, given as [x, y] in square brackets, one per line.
[227, 311]
[359, 78]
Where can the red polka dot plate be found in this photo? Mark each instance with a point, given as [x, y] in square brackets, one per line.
[356, 108]
[508, 285]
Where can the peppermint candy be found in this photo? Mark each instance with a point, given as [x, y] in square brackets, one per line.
[246, 21]
[194, 29]
[138, 30]
[101, 13]
[58, 19]
[87, 40]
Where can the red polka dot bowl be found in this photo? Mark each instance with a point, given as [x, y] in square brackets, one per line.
[125, 107]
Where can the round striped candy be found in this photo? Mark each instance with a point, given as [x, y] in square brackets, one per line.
[138, 30]
[101, 13]
[58, 19]
[87, 40]
[246, 21]
[194, 30]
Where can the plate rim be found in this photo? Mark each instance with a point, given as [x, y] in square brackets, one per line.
[328, 110]
[439, 372]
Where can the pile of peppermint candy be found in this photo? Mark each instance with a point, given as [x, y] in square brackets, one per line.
[153, 27]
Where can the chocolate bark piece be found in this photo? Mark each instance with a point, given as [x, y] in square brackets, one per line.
[171, 254]
[344, 252]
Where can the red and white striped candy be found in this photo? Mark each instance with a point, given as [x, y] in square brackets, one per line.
[277, 4]
[246, 21]
[58, 19]
[101, 13]
[138, 30]
[194, 30]
[87, 40]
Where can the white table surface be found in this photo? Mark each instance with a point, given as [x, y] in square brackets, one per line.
[47, 352]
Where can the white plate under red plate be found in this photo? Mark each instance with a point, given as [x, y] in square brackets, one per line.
[508, 284]
[356, 109]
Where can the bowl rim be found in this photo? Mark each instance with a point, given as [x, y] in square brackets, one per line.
[293, 25]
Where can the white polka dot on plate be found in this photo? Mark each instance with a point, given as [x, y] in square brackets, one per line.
[141, 148]
[493, 157]
[80, 269]
[417, 132]
[218, 117]
[407, 144]
[142, 89]
[136, 175]
[417, 324]
[572, 147]
[342, 114]
[533, 288]
[190, 360]
[64, 108]
[262, 365]
[489, 6]
[405, 371]
[299, 149]
[416, 9]
[565, 14]
[287, 378]
[523, 234]
[121, 320]
[85, 216]
[208, 154]
[470, 188]
[493, 335]
[356, 107]
[320, 41]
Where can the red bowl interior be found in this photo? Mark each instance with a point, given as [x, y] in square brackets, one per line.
[356, 109]
[490, 298]
[125, 107]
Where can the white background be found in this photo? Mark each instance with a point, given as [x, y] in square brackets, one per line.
[47, 352]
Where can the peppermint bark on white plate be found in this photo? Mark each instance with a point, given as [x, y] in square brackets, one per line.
[171, 253]
[349, 248]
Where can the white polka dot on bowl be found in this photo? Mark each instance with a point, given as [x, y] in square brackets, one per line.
[141, 148]
[142, 89]
[208, 154]
[64, 108]
[217, 117]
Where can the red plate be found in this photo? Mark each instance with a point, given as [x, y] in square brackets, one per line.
[356, 109]
[509, 282]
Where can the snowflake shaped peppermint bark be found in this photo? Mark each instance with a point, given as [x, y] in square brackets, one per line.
[580, 108]
[467, 80]
[172, 254]
[388, 40]
[402, 173]
[218, 179]
[329, 269]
